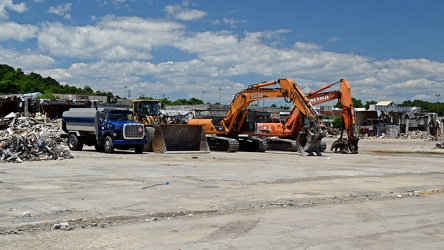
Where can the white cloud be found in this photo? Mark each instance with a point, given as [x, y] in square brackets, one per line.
[232, 22]
[118, 1]
[61, 10]
[113, 38]
[181, 12]
[188, 15]
[15, 31]
[115, 51]
[306, 46]
[9, 4]
[334, 39]
[25, 59]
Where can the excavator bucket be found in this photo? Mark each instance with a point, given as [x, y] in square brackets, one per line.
[344, 146]
[309, 140]
[179, 138]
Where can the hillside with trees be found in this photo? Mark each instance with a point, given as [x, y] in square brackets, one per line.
[15, 81]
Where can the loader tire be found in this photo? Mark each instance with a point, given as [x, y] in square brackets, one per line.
[149, 136]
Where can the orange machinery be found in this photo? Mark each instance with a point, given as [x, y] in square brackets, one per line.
[229, 134]
[287, 131]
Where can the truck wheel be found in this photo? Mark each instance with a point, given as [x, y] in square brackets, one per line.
[99, 148]
[74, 143]
[109, 145]
[149, 136]
[139, 149]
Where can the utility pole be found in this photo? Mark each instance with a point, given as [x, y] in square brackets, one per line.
[219, 95]
[125, 92]
[437, 103]
[203, 96]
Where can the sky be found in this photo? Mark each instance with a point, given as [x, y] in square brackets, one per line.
[210, 50]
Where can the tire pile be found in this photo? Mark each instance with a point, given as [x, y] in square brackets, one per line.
[31, 138]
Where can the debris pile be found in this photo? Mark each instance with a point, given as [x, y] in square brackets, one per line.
[440, 145]
[31, 138]
[418, 134]
[414, 134]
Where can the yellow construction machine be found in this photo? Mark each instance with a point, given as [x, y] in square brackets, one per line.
[166, 130]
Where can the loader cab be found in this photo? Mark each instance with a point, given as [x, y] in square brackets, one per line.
[144, 108]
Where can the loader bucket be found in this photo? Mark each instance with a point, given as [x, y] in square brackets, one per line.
[180, 138]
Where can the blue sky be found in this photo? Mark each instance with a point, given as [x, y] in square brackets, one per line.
[387, 50]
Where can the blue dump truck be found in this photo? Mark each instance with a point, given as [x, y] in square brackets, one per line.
[104, 128]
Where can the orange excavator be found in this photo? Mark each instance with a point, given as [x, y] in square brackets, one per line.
[230, 133]
[281, 136]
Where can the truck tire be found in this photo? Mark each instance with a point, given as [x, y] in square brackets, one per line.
[139, 149]
[109, 145]
[149, 136]
[98, 148]
[74, 143]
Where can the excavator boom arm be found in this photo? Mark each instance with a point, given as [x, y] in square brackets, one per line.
[288, 90]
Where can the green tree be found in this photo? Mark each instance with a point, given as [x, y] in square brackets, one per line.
[368, 103]
[48, 96]
[87, 90]
[166, 102]
[337, 122]
[196, 101]
[357, 103]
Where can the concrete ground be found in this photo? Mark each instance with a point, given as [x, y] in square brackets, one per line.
[389, 196]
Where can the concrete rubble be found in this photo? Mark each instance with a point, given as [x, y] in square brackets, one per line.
[440, 145]
[418, 134]
[31, 138]
[414, 134]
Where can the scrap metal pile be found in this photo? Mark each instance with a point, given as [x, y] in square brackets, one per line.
[31, 138]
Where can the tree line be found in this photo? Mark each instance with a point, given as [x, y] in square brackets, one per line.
[15, 81]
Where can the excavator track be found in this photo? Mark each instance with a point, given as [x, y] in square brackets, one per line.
[279, 144]
[252, 144]
[220, 143]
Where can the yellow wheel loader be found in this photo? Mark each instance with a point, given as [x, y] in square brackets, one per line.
[167, 131]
